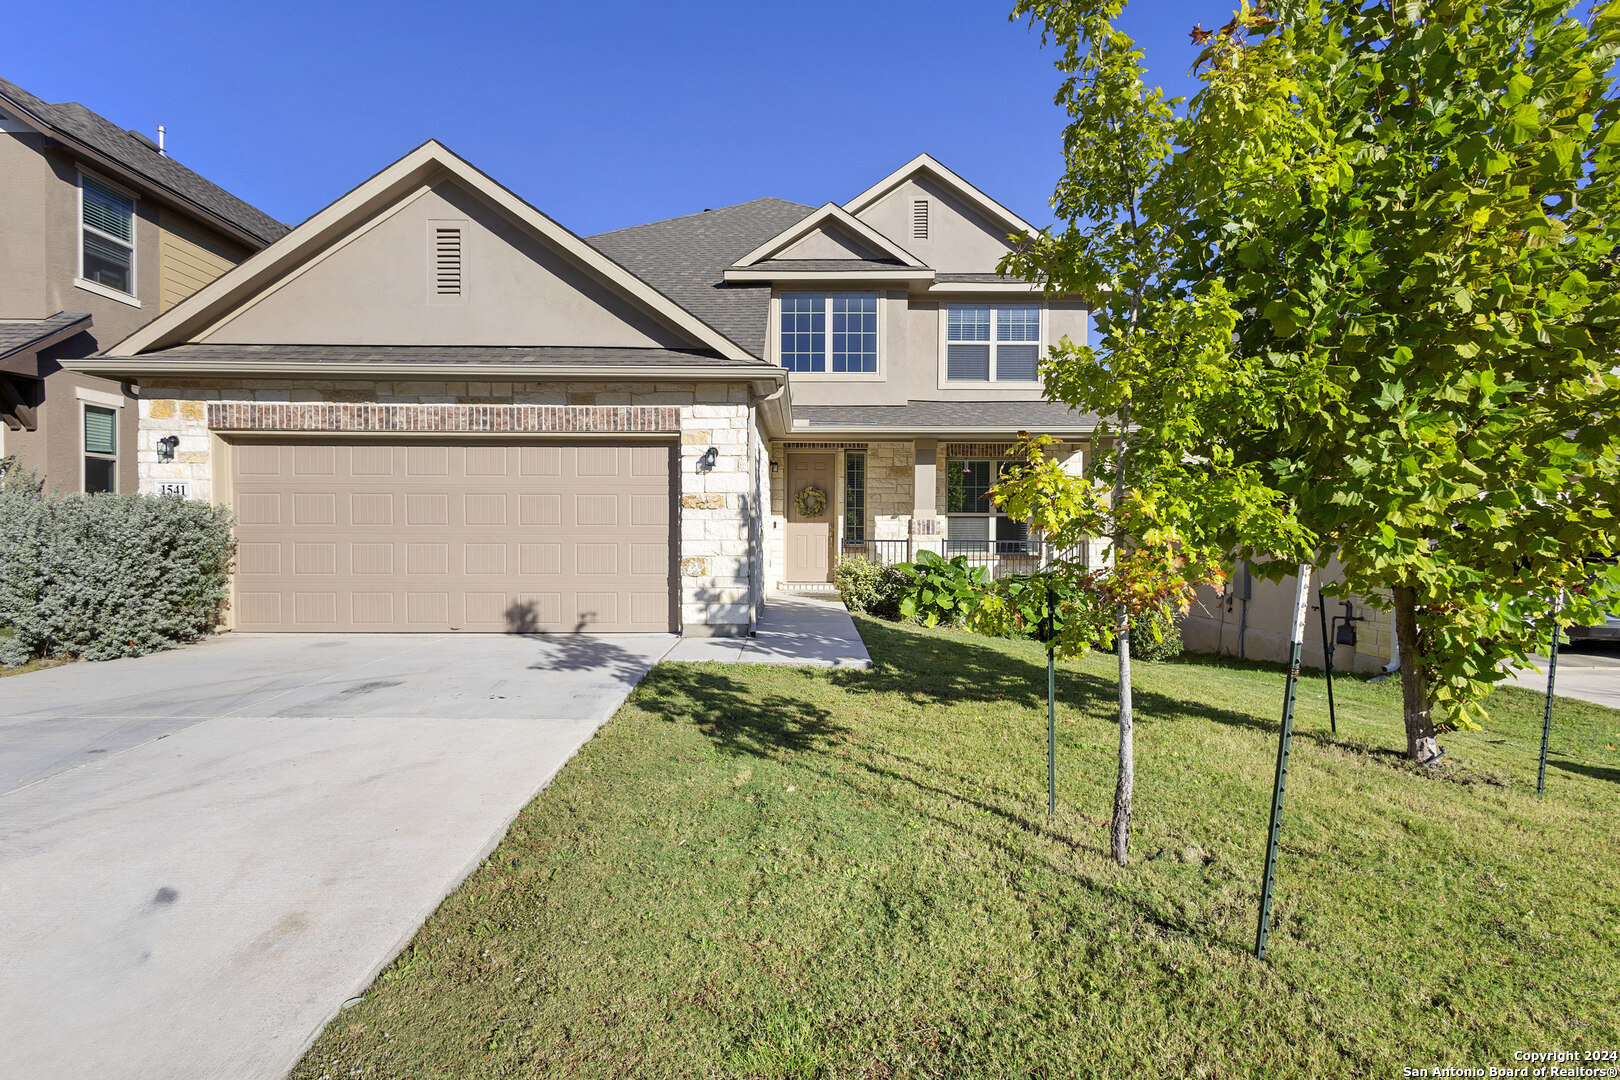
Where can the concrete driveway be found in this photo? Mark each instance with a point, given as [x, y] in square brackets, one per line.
[1587, 670]
[203, 853]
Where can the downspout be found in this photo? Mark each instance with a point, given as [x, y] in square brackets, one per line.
[756, 519]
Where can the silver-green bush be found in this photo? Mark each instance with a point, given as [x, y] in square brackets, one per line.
[103, 576]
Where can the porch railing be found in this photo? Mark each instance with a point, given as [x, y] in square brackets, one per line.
[1003, 557]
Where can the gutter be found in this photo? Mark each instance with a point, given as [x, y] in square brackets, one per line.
[999, 432]
[135, 366]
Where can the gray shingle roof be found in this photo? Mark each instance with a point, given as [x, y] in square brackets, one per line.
[540, 357]
[826, 266]
[17, 334]
[1008, 416]
[685, 258]
[73, 123]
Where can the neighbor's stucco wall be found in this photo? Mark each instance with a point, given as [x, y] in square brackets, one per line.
[714, 564]
[1223, 621]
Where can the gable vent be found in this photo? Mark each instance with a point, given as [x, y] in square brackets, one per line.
[447, 260]
[919, 219]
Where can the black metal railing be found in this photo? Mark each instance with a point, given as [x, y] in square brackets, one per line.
[1003, 557]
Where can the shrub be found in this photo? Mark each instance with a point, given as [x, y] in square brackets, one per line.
[867, 587]
[1155, 636]
[935, 589]
[1017, 606]
[103, 576]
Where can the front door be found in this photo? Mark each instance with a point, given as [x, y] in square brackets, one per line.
[809, 535]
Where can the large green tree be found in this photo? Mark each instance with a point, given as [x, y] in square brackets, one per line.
[1413, 206]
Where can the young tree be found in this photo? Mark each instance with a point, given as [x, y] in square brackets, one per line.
[1174, 494]
[1413, 205]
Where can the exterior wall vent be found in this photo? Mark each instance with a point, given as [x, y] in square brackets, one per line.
[447, 260]
[919, 219]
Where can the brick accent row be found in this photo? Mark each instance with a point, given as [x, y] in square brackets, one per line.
[519, 419]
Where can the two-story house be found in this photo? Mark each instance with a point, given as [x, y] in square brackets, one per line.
[100, 231]
[433, 408]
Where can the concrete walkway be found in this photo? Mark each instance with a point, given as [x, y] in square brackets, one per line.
[203, 853]
[802, 631]
[1586, 672]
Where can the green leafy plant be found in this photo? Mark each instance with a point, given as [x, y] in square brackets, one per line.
[935, 589]
[867, 587]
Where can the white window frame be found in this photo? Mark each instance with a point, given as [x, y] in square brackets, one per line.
[131, 297]
[827, 295]
[945, 343]
[86, 404]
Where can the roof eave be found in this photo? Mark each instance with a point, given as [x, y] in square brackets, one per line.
[923, 431]
[61, 333]
[129, 176]
[148, 364]
[766, 276]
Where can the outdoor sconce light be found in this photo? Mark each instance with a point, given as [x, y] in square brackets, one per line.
[706, 462]
[166, 447]
[776, 467]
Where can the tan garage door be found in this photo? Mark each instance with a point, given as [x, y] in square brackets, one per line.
[436, 536]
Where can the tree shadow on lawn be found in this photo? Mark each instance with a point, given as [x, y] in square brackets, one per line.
[1596, 772]
[733, 715]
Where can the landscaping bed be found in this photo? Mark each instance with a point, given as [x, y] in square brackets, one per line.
[758, 871]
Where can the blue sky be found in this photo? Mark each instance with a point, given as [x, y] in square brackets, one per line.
[601, 114]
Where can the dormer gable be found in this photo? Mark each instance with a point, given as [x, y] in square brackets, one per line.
[948, 223]
[830, 232]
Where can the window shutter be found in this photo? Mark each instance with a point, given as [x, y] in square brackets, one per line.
[919, 219]
[98, 430]
[447, 261]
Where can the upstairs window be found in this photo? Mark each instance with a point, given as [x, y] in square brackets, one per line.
[852, 345]
[107, 250]
[992, 342]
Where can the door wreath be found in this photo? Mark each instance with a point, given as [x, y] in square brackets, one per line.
[811, 501]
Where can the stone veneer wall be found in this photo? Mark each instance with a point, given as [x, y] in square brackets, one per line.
[712, 529]
[890, 482]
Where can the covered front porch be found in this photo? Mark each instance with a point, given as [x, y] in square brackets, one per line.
[889, 499]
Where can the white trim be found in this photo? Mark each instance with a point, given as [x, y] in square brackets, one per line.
[829, 275]
[118, 366]
[101, 290]
[924, 162]
[1022, 288]
[810, 223]
[14, 126]
[99, 397]
[946, 383]
[426, 164]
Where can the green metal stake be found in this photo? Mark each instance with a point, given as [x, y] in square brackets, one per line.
[1302, 603]
[1546, 714]
[1327, 659]
[1051, 710]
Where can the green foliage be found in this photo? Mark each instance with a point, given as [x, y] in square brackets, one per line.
[1413, 208]
[1082, 615]
[935, 589]
[18, 480]
[867, 587]
[1155, 635]
[102, 576]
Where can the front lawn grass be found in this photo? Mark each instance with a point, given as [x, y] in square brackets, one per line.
[770, 872]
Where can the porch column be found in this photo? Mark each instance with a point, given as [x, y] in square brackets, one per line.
[925, 531]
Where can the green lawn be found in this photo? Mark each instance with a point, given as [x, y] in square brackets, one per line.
[770, 872]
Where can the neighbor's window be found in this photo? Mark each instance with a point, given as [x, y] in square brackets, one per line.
[108, 236]
[975, 522]
[100, 449]
[855, 496]
[992, 342]
[852, 318]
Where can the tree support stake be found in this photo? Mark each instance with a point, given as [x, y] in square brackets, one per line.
[1546, 712]
[1302, 603]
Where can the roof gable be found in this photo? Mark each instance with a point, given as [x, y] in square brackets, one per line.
[830, 232]
[926, 165]
[358, 272]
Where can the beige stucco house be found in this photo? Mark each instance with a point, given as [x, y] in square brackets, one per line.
[100, 232]
[434, 408]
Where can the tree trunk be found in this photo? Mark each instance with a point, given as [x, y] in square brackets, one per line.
[1121, 830]
[1421, 745]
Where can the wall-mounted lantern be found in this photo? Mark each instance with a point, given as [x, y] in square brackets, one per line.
[776, 468]
[166, 447]
[706, 462]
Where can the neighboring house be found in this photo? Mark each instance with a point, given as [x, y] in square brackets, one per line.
[99, 233]
[434, 408]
